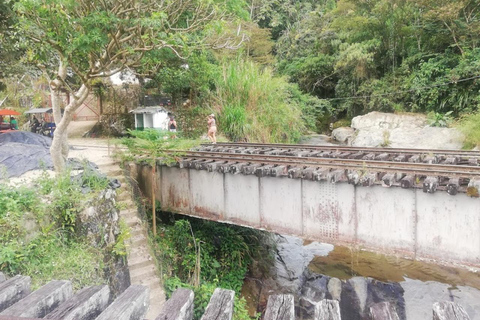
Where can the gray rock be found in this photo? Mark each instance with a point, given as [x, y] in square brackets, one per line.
[360, 286]
[420, 297]
[343, 134]
[335, 288]
[402, 131]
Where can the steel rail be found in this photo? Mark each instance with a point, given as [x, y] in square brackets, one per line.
[404, 167]
[347, 148]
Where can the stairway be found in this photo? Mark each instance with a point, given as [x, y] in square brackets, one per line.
[141, 265]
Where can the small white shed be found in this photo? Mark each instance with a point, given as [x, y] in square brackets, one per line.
[151, 117]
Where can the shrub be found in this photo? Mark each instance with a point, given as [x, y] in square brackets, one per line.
[469, 125]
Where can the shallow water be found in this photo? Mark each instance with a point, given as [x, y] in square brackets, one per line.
[424, 283]
[344, 263]
[421, 283]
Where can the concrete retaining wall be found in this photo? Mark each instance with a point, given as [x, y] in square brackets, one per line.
[387, 220]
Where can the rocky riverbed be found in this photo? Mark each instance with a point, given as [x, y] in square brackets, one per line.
[359, 279]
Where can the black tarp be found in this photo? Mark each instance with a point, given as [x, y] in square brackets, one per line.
[22, 151]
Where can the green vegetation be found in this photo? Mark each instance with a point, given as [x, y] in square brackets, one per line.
[204, 255]
[254, 105]
[38, 230]
[470, 126]
[362, 56]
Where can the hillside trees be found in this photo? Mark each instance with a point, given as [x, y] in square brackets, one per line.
[95, 39]
[400, 55]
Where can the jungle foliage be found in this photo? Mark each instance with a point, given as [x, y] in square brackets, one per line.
[399, 55]
[203, 255]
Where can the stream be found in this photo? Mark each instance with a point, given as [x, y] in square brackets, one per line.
[313, 271]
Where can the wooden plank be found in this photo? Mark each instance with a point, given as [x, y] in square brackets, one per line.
[448, 310]
[132, 304]
[383, 311]
[17, 318]
[220, 306]
[179, 306]
[86, 304]
[280, 307]
[13, 290]
[327, 310]
[42, 301]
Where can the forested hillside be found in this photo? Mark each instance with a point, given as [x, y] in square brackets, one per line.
[271, 70]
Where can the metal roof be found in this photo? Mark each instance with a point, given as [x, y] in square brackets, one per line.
[39, 110]
[150, 110]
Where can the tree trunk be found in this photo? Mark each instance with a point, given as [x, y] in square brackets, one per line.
[59, 148]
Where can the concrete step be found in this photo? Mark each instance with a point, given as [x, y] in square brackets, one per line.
[138, 253]
[131, 220]
[139, 265]
[137, 230]
[128, 213]
[152, 282]
[123, 195]
[128, 203]
[137, 241]
[142, 274]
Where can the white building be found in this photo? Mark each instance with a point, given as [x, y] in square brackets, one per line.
[151, 117]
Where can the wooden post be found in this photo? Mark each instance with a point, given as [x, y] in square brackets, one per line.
[280, 307]
[448, 310]
[154, 216]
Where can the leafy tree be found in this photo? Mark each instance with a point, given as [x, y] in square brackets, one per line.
[95, 39]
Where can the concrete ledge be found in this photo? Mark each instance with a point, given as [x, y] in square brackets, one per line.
[132, 304]
[87, 304]
[13, 290]
[42, 301]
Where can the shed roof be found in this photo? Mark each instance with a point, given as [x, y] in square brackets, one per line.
[149, 110]
[39, 110]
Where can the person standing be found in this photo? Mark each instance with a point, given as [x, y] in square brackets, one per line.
[212, 128]
[172, 124]
[13, 123]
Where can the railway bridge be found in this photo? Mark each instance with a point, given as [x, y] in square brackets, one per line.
[421, 204]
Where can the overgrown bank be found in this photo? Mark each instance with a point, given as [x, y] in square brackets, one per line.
[46, 234]
[204, 255]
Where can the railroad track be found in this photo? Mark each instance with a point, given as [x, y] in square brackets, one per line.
[346, 152]
[450, 170]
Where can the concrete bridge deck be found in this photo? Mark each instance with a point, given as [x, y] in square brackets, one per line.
[408, 221]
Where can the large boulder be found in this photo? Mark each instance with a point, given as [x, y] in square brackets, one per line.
[378, 129]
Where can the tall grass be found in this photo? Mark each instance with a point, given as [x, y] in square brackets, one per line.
[470, 126]
[253, 105]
